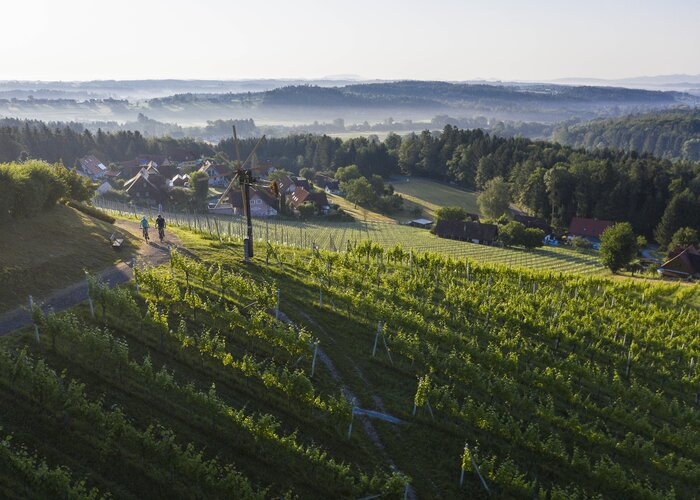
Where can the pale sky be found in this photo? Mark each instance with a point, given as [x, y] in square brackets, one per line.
[429, 39]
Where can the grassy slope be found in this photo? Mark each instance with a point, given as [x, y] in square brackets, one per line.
[432, 195]
[50, 251]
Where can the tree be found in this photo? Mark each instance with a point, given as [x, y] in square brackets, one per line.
[199, 181]
[495, 199]
[683, 238]
[306, 210]
[533, 238]
[306, 173]
[359, 191]
[377, 184]
[618, 246]
[512, 234]
[345, 174]
[450, 213]
[682, 211]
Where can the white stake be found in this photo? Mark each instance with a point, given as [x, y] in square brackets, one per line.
[376, 338]
[313, 363]
[92, 310]
[277, 307]
[36, 327]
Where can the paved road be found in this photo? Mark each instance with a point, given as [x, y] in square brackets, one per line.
[148, 254]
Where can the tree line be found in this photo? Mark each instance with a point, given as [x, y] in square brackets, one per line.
[671, 134]
[547, 179]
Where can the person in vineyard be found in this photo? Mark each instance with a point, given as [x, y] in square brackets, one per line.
[144, 227]
[160, 223]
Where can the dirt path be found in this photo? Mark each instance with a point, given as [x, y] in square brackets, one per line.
[365, 421]
[151, 254]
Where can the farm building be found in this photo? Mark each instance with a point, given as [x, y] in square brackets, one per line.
[533, 222]
[684, 264]
[262, 202]
[474, 232]
[421, 223]
[591, 229]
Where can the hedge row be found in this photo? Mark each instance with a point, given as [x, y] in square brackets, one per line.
[91, 211]
[30, 187]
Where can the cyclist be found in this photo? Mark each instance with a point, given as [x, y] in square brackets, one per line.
[160, 223]
[144, 226]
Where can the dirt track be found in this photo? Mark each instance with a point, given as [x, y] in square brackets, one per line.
[151, 254]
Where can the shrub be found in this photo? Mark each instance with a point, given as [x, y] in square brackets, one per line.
[580, 243]
[91, 211]
[451, 213]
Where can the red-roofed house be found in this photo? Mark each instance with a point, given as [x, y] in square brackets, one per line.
[298, 197]
[588, 228]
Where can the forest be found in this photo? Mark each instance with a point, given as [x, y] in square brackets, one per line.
[673, 134]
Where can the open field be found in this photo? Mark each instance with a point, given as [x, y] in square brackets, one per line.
[50, 251]
[432, 195]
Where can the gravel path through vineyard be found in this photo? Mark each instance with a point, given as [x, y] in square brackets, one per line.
[150, 254]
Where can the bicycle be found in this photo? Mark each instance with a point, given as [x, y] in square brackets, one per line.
[161, 234]
[145, 233]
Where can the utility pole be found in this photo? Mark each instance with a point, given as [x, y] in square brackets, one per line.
[246, 178]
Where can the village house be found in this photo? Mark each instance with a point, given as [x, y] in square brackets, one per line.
[474, 232]
[262, 202]
[301, 196]
[219, 175]
[682, 263]
[590, 229]
[145, 184]
[302, 182]
[532, 222]
[327, 183]
[286, 184]
[179, 180]
[92, 167]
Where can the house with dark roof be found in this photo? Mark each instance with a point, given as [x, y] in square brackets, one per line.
[302, 183]
[684, 264]
[263, 202]
[591, 229]
[146, 184]
[474, 232]
[327, 183]
[92, 167]
[179, 180]
[286, 184]
[219, 175]
[532, 222]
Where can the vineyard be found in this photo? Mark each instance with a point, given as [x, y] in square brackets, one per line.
[336, 236]
[368, 372]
